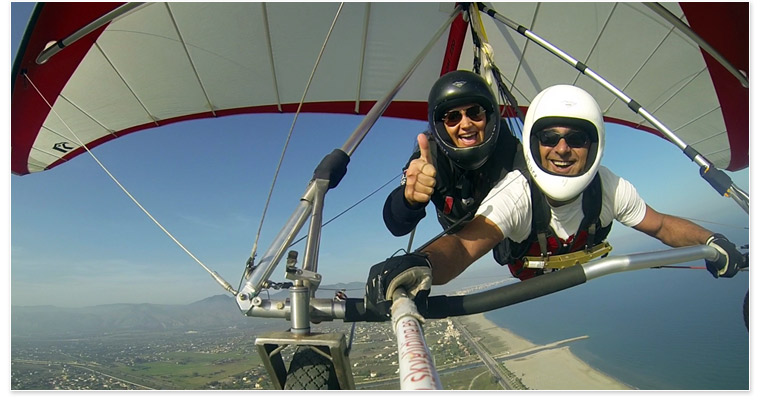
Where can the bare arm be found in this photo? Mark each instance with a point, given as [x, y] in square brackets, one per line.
[452, 254]
[673, 231]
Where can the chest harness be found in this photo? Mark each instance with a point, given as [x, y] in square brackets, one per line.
[459, 192]
[544, 251]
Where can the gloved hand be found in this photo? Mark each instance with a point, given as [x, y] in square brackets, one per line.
[734, 259]
[410, 271]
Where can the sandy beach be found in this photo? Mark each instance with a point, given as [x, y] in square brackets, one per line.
[540, 367]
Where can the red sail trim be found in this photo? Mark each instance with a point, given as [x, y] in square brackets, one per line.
[454, 45]
[398, 109]
[56, 21]
[725, 26]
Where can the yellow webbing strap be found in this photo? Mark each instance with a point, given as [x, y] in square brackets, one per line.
[486, 51]
[478, 22]
[567, 260]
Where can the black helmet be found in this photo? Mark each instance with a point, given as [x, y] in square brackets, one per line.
[455, 89]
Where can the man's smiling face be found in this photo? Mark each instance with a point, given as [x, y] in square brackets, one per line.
[561, 158]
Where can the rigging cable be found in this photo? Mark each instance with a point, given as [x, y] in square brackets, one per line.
[717, 223]
[250, 262]
[215, 275]
[336, 217]
[349, 208]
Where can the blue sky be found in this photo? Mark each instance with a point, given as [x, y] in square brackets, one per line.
[76, 239]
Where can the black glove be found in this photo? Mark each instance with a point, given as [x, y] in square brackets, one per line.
[410, 271]
[733, 259]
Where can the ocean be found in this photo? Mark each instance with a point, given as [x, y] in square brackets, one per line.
[657, 329]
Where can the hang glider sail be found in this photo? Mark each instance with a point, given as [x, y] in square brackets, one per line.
[87, 73]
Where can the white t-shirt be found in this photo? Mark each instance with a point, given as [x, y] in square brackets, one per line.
[508, 205]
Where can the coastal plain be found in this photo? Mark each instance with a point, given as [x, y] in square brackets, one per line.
[99, 352]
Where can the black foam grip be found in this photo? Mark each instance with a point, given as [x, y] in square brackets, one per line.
[333, 167]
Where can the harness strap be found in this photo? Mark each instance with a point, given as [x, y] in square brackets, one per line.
[540, 218]
[592, 208]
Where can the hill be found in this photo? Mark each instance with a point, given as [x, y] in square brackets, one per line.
[213, 313]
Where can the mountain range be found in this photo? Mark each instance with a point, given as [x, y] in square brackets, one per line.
[220, 311]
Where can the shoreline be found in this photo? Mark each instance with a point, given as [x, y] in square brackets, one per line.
[540, 367]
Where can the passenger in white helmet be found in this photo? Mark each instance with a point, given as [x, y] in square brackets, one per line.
[563, 145]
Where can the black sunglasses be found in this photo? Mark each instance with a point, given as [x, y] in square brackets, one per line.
[573, 139]
[453, 117]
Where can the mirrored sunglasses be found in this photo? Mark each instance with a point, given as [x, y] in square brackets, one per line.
[454, 117]
[573, 139]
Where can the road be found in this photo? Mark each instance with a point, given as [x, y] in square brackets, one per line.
[496, 370]
[494, 362]
[86, 367]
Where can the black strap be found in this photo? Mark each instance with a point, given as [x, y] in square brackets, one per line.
[592, 208]
[541, 229]
[541, 217]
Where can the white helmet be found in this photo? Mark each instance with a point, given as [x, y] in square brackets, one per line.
[570, 106]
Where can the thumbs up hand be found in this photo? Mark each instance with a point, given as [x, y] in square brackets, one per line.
[420, 176]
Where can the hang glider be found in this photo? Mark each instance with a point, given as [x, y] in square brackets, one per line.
[87, 73]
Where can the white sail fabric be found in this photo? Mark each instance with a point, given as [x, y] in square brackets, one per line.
[168, 62]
